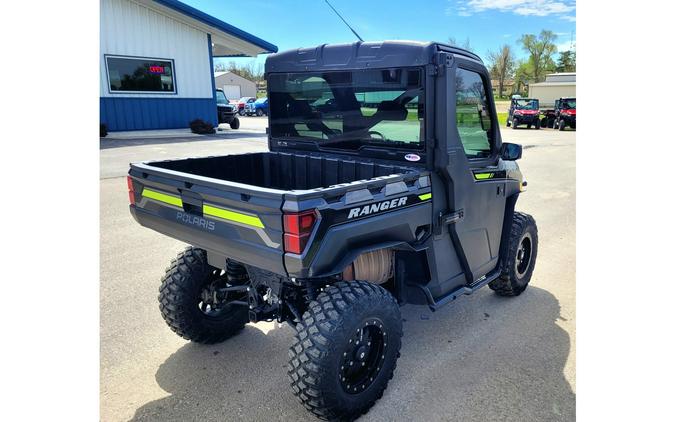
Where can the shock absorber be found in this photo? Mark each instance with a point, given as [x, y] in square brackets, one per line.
[236, 273]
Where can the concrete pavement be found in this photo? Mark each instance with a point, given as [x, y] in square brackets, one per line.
[482, 358]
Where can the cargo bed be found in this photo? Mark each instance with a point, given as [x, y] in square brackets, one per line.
[233, 205]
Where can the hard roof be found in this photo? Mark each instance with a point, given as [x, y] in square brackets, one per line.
[228, 40]
[371, 54]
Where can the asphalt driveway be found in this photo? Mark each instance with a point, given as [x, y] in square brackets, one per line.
[483, 358]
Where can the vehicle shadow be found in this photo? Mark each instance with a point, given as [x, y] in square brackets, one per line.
[485, 358]
[107, 143]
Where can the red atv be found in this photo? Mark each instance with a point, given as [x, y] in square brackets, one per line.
[524, 111]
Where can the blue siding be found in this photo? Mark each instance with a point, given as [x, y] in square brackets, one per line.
[138, 113]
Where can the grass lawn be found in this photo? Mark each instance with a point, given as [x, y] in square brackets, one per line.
[502, 118]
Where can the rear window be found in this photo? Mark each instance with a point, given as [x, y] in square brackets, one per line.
[349, 109]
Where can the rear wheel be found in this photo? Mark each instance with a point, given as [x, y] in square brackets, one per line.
[242, 112]
[529, 125]
[186, 305]
[345, 350]
[550, 122]
[521, 255]
[234, 124]
[537, 124]
[259, 112]
[508, 123]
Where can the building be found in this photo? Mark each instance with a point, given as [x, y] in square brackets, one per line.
[156, 63]
[556, 85]
[509, 84]
[234, 86]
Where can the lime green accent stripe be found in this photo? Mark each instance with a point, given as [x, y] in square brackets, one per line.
[425, 196]
[162, 197]
[483, 176]
[249, 220]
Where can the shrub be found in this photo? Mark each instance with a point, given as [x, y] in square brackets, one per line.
[201, 127]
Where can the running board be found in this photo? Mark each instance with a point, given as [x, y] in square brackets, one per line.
[435, 303]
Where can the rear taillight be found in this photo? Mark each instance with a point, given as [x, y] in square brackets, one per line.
[297, 228]
[132, 194]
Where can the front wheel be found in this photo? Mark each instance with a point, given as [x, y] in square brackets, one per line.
[561, 124]
[537, 124]
[185, 301]
[515, 123]
[242, 112]
[258, 112]
[521, 255]
[234, 124]
[345, 350]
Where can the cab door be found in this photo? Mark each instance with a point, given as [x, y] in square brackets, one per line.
[478, 183]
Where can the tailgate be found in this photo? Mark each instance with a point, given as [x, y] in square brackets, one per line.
[227, 219]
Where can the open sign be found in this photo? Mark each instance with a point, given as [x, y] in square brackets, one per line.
[156, 69]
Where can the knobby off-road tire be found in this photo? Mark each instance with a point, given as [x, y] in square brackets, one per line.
[561, 125]
[514, 124]
[180, 297]
[349, 322]
[522, 245]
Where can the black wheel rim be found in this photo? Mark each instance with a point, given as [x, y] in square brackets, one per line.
[363, 358]
[524, 255]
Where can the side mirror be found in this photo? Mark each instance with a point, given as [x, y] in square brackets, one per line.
[511, 152]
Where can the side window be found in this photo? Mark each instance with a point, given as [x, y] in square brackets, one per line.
[474, 122]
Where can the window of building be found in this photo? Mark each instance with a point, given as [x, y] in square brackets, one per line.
[474, 120]
[140, 74]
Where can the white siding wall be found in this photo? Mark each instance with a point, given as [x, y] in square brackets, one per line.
[547, 94]
[130, 29]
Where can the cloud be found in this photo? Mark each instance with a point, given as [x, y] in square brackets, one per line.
[569, 18]
[517, 7]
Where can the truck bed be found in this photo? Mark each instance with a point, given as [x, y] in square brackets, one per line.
[233, 205]
[281, 171]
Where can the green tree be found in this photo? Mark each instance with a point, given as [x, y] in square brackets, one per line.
[522, 76]
[501, 65]
[541, 49]
[567, 61]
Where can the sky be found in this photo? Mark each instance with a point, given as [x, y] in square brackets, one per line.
[488, 24]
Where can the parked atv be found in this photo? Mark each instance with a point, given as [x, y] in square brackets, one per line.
[565, 113]
[359, 207]
[524, 111]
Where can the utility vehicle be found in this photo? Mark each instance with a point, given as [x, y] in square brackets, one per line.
[565, 113]
[524, 111]
[386, 183]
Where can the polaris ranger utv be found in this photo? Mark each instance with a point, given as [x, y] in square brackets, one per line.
[386, 183]
[524, 111]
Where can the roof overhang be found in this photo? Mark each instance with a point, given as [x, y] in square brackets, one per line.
[227, 40]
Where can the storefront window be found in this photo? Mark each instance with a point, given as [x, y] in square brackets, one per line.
[138, 74]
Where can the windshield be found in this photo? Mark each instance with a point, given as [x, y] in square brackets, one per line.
[349, 109]
[570, 104]
[526, 104]
[220, 98]
[261, 100]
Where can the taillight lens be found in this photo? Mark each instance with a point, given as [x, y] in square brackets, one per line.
[132, 194]
[297, 228]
